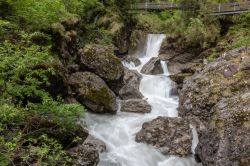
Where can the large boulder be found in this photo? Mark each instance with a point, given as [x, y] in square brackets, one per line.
[131, 84]
[171, 136]
[226, 141]
[87, 153]
[97, 143]
[84, 155]
[218, 96]
[101, 60]
[91, 91]
[132, 59]
[135, 106]
[153, 67]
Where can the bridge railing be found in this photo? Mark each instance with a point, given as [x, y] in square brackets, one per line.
[229, 7]
[153, 5]
[226, 7]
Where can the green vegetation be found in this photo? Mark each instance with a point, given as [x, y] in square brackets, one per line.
[196, 28]
[23, 97]
[31, 110]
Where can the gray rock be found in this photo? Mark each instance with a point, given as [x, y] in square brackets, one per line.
[230, 131]
[132, 59]
[101, 60]
[99, 145]
[131, 83]
[91, 91]
[84, 155]
[171, 136]
[153, 67]
[135, 106]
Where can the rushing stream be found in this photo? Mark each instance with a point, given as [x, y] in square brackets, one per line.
[118, 131]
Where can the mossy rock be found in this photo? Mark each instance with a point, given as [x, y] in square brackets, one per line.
[91, 91]
[101, 60]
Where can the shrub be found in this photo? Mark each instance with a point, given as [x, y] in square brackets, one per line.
[39, 14]
[200, 34]
[22, 98]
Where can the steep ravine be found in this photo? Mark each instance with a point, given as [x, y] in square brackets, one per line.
[120, 131]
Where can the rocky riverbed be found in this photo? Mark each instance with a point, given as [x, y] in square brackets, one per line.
[214, 98]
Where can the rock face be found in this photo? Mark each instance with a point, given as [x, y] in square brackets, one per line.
[135, 106]
[153, 67]
[172, 136]
[230, 130]
[101, 61]
[207, 87]
[91, 91]
[131, 83]
[218, 96]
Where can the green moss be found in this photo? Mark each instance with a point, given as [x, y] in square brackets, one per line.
[102, 95]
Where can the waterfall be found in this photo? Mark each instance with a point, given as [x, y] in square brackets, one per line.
[118, 131]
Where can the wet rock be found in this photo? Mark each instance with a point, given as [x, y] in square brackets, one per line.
[174, 90]
[132, 59]
[91, 91]
[131, 83]
[135, 106]
[101, 60]
[207, 87]
[167, 55]
[153, 67]
[230, 130]
[84, 155]
[179, 78]
[98, 144]
[220, 100]
[138, 39]
[171, 136]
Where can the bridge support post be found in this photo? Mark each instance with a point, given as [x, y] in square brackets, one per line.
[219, 7]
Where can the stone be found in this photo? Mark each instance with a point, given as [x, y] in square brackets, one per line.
[101, 60]
[91, 91]
[131, 84]
[135, 106]
[132, 59]
[171, 136]
[231, 70]
[153, 67]
[97, 143]
[168, 55]
[84, 155]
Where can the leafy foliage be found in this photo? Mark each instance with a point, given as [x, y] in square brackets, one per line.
[35, 13]
[22, 97]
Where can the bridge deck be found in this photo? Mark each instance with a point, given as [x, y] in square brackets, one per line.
[226, 8]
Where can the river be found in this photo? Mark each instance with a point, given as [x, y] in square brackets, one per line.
[118, 131]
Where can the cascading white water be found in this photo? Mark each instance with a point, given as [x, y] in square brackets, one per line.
[118, 131]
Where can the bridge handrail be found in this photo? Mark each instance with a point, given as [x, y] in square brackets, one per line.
[223, 7]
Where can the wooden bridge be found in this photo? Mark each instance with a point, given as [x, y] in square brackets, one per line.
[219, 9]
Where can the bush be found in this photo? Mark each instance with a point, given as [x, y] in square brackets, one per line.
[86, 9]
[39, 14]
[22, 98]
[200, 34]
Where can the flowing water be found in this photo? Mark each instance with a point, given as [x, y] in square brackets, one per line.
[118, 131]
